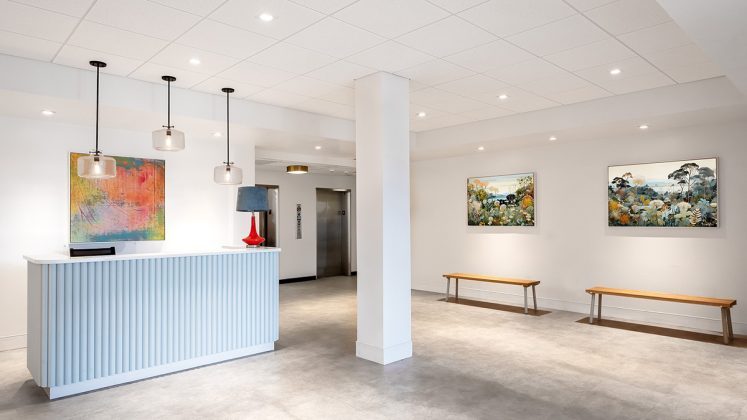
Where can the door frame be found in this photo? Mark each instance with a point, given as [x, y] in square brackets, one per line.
[347, 247]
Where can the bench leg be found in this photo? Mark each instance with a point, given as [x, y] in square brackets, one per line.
[599, 309]
[456, 291]
[526, 310]
[591, 312]
[534, 297]
[725, 324]
[448, 285]
[731, 326]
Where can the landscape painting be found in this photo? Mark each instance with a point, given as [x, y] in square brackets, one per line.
[503, 200]
[129, 207]
[667, 194]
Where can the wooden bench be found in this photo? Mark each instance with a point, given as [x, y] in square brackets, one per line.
[724, 304]
[490, 279]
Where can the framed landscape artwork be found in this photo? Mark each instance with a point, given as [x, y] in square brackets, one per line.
[129, 207]
[666, 194]
[503, 200]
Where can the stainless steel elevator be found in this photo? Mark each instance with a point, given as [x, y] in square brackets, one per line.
[267, 221]
[332, 232]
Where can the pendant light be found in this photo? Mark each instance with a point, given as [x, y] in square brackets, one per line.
[227, 174]
[297, 169]
[168, 139]
[96, 165]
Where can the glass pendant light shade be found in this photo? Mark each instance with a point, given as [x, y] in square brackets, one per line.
[168, 140]
[228, 174]
[96, 166]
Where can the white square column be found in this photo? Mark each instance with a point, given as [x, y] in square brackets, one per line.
[382, 142]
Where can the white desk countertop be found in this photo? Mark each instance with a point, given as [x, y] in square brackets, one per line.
[55, 258]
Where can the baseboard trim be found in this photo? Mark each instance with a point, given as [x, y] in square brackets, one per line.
[383, 356]
[13, 342]
[297, 279]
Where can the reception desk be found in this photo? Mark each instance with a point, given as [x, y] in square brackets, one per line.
[95, 322]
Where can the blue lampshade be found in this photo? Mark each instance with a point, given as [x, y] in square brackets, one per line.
[252, 199]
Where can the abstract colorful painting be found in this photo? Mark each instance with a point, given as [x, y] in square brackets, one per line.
[129, 207]
[504, 200]
[667, 194]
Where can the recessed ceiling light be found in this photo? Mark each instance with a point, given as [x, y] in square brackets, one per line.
[503, 96]
[643, 126]
[217, 134]
[615, 72]
[194, 61]
[553, 138]
[266, 17]
[331, 170]
[481, 148]
[47, 112]
[422, 114]
[318, 147]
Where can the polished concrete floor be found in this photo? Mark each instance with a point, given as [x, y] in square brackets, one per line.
[470, 363]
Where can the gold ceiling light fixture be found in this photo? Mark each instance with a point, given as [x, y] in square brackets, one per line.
[297, 169]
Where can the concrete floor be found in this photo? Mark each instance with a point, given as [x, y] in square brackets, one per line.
[469, 362]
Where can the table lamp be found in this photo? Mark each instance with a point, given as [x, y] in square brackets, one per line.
[252, 199]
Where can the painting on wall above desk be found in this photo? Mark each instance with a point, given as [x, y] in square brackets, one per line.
[129, 207]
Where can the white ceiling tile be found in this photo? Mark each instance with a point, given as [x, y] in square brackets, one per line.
[324, 6]
[104, 38]
[223, 39]
[487, 113]
[289, 17]
[637, 74]
[583, 94]
[660, 37]
[477, 85]
[390, 56]
[391, 18]
[447, 36]
[446, 120]
[334, 37]
[583, 5]
[560, 82]
[28, 47]
[341, 95]
[526, 71]
[640, 82]
[306, 86]
[76, 8]
[291, 58]
[523, 101]
[456, 6]
[430, 113]
[197, 7]
[435, 72]
[508, 17]
[32, 21]
[215, 84]
[278, 98]
[685, 63]
[151, 72]
[625, 16]
[557, 36]
[73, 56]
[341, 72]
[444, 101]
[591, 55]
[143, 17]
[321, 106]
[248, 72]
[490, 56]
[178, 56]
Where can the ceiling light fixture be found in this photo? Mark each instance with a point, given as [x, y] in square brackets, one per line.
[318, 147]
[167, 139]
[331, 170]
[47, 112]
[95, 165]
[194, 61]
[553, 138]
[422, 114]
[297, 169]
[227, 173]
[503, 96]
[217, 134]
[266, 17]
[481, 148]
[615, 72]
[643, 126]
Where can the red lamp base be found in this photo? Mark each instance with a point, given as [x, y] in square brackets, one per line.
[253, 240]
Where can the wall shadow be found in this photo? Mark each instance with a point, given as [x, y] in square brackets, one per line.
[738, 341]
[496, 306]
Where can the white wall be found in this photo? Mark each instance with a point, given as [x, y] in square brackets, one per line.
[298, 258]
[35, 203]
[572, 248]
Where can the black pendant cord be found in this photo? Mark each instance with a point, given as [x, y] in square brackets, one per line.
[228, 132]
[98, 69]
[168, 105]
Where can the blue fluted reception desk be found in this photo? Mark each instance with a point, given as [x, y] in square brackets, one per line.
[95, 322]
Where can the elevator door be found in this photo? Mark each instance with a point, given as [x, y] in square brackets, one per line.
[267, 221]
[331, 233]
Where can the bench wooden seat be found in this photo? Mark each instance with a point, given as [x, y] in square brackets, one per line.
[724, 304]
[492, 279]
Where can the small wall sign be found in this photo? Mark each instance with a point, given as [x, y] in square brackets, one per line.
[299, 230]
